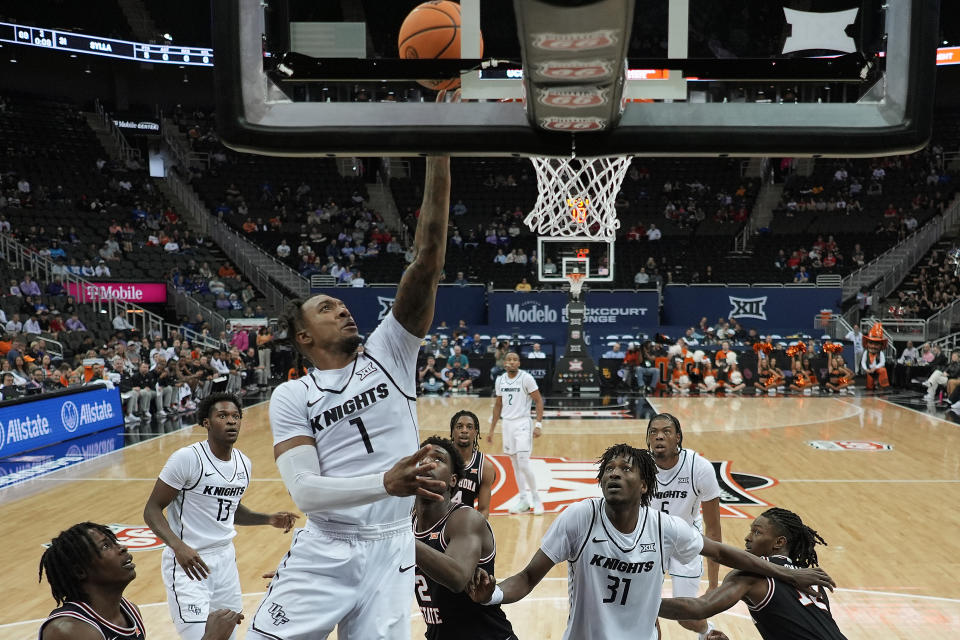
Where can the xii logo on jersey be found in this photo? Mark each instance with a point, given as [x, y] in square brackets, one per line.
[563, 482]
[367, 370]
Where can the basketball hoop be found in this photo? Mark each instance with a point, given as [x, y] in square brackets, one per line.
[576, 284]
[577, 196]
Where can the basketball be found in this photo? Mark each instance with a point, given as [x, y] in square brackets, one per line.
[431, 31]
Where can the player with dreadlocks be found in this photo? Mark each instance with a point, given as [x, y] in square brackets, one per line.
[779, 611]
[618, 548]
[476, 483]
[88, 569]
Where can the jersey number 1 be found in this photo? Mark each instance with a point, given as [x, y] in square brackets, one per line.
[363, 434]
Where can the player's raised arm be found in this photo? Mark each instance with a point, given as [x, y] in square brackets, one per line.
[802, 579]
[734, 587]
[454, 568]
[485, 590]
[416, 295]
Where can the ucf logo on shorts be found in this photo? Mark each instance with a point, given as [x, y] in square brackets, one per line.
[278, 615]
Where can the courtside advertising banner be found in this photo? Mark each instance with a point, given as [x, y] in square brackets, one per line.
[23, 467]
[605, 311]
[762, 308]
[28, 425]
[135, 292]
[370, 305]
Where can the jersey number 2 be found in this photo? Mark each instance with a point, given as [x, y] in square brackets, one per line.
[363, 434]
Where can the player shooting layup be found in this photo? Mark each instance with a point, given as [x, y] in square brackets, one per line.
[345, 440]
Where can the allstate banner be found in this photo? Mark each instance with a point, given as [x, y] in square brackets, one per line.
[370, 305]
[610, 311]
[54, 418]
[760, 308]
[20, 468]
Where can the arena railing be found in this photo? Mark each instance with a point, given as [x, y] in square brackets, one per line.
[900, 329]
[262, 269]
[42, 270]
[885, 272]
[187, 305]
[126, 151]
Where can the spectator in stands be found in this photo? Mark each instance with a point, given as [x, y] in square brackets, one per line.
[14, 325]
[457, 378]
[393, 246]
[942, 376]
[28, 287]
[346, 275]
[536, 353]
[459, 208]
[9, 389]
[74, 324]
[653, 234]
[614, 352]
[523, 285]
[32, 325]
[358, 281]
[123, 325]
[227, 271]
[222, 303]
[458, 356]
[431, 381]
[802, 275]
[641, 277]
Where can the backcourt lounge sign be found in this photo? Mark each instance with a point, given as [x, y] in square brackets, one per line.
[623, 311]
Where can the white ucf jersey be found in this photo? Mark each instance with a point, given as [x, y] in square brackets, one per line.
[515, 393]
[363, 418]
[614, 580]
[680, 490]
[210, 492]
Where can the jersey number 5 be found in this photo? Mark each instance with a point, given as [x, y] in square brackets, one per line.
[363, 434]
[614, 586]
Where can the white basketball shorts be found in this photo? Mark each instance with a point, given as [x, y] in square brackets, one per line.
[517, 436]
[191, 601]
[357, 579]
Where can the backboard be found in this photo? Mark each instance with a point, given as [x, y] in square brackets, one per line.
[559, 257]
[701, 77]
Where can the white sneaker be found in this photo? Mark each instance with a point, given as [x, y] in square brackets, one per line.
[520, 507]
[147, 415]
[161, 414]
[538, 509]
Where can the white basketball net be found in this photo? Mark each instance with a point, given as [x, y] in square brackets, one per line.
[577, 197]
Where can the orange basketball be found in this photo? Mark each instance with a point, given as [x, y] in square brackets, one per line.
[432, 30]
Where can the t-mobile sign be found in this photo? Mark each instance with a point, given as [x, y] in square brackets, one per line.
[136, 292]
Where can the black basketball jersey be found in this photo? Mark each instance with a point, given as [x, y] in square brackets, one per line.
[83, 611]
[469, 485]
[788, 614]
[454, 616]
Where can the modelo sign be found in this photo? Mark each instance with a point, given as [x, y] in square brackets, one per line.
[136, 292]
[623, 311]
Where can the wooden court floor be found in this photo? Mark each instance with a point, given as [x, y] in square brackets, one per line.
[890, 516]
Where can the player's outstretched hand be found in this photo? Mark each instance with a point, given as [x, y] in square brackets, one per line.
[716, 634]
[283, 520]
[221, 624]
[406, 477]
[193, 565]
[808, 580]
[480, 587]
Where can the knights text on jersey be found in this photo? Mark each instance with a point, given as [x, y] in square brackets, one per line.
[363, 418]
[682, 489]
[788, 614]
[210, 492]
[454, 616]
[614, 580]
[84, 612]
[515, 393]
[469, 486]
